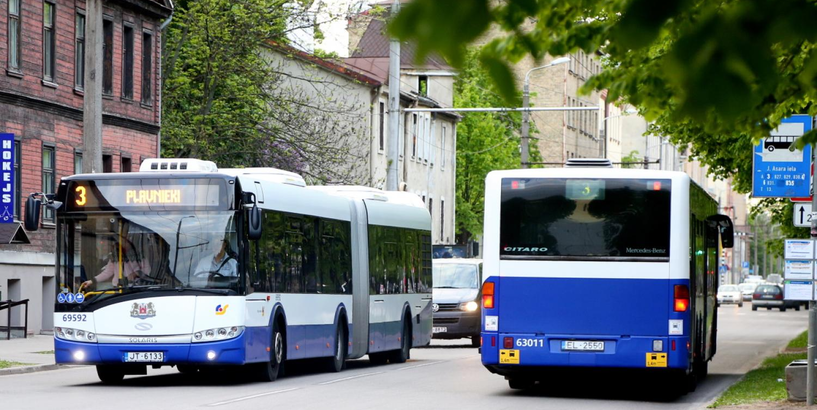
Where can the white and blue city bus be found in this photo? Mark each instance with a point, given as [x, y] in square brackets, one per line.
[314, 272]
[594, 267]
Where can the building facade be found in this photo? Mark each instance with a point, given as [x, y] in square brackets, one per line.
[42, 53]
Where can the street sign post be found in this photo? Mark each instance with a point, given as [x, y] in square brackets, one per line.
[780, 170]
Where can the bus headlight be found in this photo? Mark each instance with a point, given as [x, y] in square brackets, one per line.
[469, 306]
[66, 333]
[217, 334]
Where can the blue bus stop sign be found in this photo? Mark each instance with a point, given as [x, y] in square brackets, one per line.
[779, 170]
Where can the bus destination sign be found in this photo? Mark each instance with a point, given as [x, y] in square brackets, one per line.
[102, 195]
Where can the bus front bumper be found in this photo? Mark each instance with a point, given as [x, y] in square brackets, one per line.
[528, 352]
[240, 350]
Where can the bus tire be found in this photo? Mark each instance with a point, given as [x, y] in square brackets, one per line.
[518, 383]
[783, 309]
[754, 308]
[109, 374]
[404, 353]
[338, 361]
[274, 368]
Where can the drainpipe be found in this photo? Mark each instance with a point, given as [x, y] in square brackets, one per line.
[159, 108]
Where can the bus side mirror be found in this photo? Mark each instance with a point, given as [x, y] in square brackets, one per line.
[254, 223]
[725, 227]
[474, 249]
[32, 216]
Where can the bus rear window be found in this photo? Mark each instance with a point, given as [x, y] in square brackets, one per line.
[585, 218]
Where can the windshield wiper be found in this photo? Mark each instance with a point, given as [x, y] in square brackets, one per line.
[446, 287]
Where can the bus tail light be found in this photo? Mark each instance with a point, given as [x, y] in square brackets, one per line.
[488, 295]
[681, 298]
[507, 342]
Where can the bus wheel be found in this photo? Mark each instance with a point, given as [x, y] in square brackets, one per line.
[521, 384]
[270, 371]
[110, 374]
[401, 355]
[338, 361]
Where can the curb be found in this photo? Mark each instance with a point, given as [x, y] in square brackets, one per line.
[30, 369]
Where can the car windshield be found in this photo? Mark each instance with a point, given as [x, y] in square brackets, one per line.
[455, 276]
[728, 288]
[136, 250]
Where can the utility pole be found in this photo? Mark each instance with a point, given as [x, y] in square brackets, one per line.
[394, 107]
[92, 100]
[812, 315]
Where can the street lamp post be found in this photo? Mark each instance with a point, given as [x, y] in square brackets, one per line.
[526, 114]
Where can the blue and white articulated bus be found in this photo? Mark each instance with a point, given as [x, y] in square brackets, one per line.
[595, 267]
[183, 264]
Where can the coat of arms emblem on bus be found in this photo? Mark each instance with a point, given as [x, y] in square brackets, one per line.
[142, 310]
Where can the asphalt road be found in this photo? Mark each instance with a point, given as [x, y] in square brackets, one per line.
[447, 374]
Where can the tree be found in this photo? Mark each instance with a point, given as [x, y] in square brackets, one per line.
[225, 100]
[486, 141]
[707, 74]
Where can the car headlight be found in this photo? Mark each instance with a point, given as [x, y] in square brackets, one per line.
[469, 306]
[216, 334]
[66, 333]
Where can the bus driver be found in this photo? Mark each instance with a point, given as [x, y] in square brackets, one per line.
[133, 266]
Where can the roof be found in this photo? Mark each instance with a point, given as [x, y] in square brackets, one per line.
[12, 233]
[374, 43]
[346, 70]
[155, 8]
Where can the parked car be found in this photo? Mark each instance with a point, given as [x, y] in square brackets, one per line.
[730, 294]
[747, 289]
[455, 299]
[770, 295]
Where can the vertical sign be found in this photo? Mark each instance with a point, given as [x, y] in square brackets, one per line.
[780, 170]
[799, 271]
[6, 178]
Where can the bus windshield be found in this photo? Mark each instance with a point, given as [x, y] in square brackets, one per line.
[129, 251]
[585, 218]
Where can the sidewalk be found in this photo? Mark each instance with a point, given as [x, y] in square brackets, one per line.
[25, 351]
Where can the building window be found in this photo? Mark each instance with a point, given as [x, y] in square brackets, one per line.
[147, 64]
[442, 148]
[414, 136]
[107, 164]
[14, 36]
[77, 162]
[49, 178]
[127, 62]
[442, 219]
[48, 41]
[382, 125]
[107, 56]
[423, 85]
[126, 165]
[79, 52]
[18, 178]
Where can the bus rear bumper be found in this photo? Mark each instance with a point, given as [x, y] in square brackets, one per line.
[530, 351]
[235, 351]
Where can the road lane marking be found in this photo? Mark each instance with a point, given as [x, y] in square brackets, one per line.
[221, 403]
[419, 365]
[350, 378]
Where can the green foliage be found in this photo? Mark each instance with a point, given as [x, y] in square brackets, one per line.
[799, 342]
[214, 95]
[714, 76]
[485, 142]
[761, 384]
[630, 160]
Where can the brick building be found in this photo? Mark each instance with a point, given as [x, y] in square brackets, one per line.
[42, 46]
